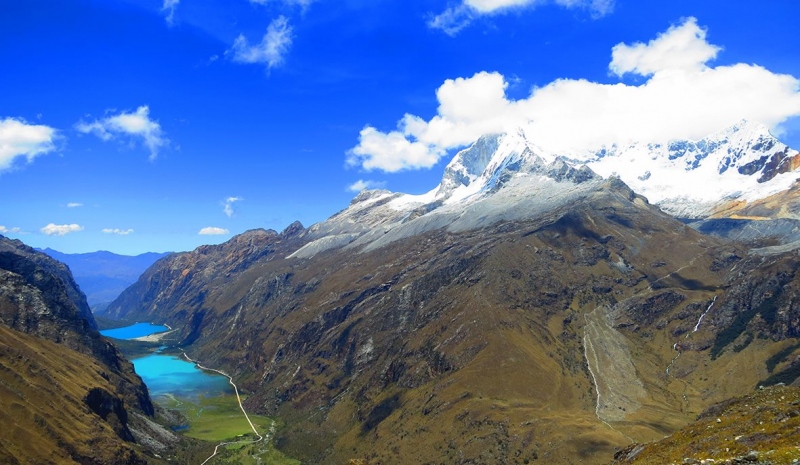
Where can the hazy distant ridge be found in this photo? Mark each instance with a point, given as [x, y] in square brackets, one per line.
[103, 275]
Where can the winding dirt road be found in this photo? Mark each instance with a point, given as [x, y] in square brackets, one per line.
[238, 399]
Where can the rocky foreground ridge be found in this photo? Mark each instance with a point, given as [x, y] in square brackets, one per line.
[67, 394]
[525, 309]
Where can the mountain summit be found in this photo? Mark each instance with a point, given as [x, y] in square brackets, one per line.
[686, 178]
[506, 176]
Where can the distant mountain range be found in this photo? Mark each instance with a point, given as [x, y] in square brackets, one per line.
[102, 275]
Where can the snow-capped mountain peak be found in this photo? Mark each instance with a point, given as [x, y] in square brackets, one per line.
[690, 178]
[506, 176]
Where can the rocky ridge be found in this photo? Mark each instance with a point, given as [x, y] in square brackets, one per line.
[68, 395]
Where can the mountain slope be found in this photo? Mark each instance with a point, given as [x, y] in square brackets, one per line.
[762, 427]
[57, 407]
[68, 395]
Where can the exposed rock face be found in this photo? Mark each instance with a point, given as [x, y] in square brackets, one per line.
[762, 301]
[51, 354]
[63, 297]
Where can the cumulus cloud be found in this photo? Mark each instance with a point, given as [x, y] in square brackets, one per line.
[60, 229]
[20, 139]
[361, 185]
[134, 125]
[227, 206]
[74, 205]
[681, 97]
[5, 230]
[212, 231]
[452, 20]
[271, 51]
[169, 8]
[682, 47]
[119, 232]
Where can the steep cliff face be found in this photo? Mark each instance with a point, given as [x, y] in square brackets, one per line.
[63, 296]
[177, 287]
[67, 391]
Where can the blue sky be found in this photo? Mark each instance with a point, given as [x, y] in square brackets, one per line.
[134, 126]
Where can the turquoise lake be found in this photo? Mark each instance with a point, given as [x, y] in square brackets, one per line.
[170, 374]
[173, 375]
[134, 331]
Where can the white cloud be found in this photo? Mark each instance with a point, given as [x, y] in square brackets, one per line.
[452, 20]
[682, 47]
[60, 229]
[681, 98]
[74, 205]
[227, 206]
[20, 139]
[456, 18]
[169, 7]
[361, 185]
[391, 152]
[119, 232]
[136, 124]
[212, 231]
[5, 230]
[273, 47]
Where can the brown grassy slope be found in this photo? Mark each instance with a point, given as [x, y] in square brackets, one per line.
[44, 412]
[763, 426]
[38, 296]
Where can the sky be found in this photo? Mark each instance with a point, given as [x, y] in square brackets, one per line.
[159, 125]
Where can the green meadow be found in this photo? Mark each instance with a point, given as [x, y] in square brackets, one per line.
[219, 419]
